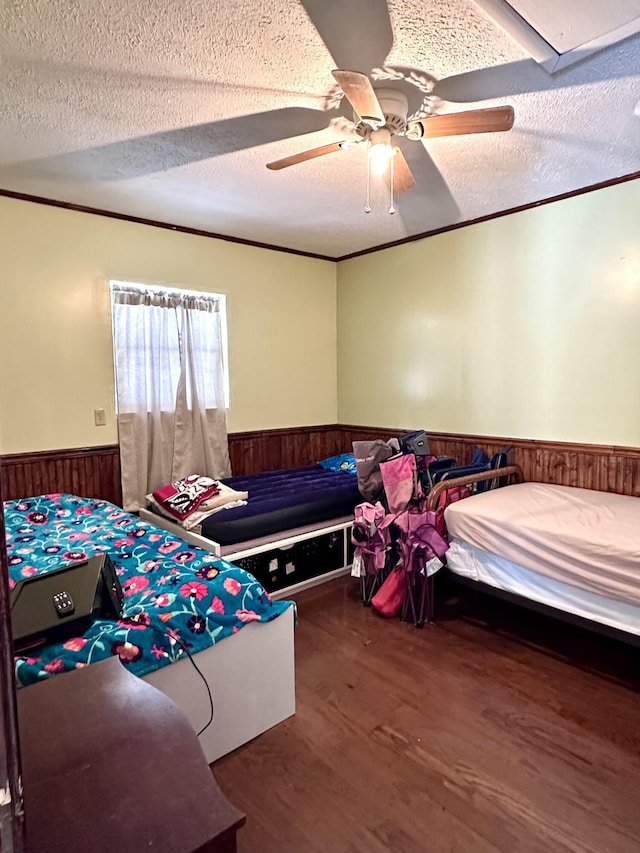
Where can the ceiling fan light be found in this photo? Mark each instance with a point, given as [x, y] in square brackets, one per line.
[381, 151]
[380, 154]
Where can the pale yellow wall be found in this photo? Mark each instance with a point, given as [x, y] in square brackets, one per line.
[525, 326]
[55, 333]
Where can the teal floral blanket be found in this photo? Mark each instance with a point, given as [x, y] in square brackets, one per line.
[177, 596]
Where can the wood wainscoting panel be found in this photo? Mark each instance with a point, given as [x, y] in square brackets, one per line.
[91, 472]
[95, 471]
[589, 466]
[606, 468]
[274, 449]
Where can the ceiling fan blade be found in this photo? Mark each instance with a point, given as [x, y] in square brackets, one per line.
[491, 120]
[403, 179]
[361, 95]
[431, 204]
[336, 23]
[305, 155]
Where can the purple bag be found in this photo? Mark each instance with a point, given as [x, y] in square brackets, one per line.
[400, 478]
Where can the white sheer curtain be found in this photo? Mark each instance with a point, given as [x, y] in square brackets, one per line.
[169, 363]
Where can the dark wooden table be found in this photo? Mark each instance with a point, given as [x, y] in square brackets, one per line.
[111, 764]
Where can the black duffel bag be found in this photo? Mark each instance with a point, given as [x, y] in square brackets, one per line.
[415, 442]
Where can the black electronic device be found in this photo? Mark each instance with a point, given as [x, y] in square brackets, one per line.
[64, 602]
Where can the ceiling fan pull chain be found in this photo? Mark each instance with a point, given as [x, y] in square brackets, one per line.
[367, 206]
[392, 208]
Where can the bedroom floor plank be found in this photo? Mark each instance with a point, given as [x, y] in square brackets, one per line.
[494, 730]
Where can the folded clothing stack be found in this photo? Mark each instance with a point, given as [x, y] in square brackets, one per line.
[192, 499]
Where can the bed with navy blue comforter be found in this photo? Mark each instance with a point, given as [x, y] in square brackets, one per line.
[282, 500]
[180, 596]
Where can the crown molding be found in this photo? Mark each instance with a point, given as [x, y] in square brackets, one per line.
[632, 176]
[169, 226]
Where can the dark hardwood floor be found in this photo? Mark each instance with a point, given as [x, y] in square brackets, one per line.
[493, 730]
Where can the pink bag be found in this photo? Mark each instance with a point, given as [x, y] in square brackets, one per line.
[400, 478]
[388, 599]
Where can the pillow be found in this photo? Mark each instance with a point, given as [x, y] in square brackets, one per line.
[341, 462]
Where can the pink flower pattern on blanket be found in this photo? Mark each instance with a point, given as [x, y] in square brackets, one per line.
[194, 589]
[76, 644]
[247, 615]
[135, 584]
[232, 586]
[216, 605]
[177, 598]
[126, 651]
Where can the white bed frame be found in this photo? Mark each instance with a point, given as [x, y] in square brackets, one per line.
[284, 539]
[251, 676]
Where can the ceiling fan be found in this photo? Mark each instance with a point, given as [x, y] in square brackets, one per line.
[381, 115]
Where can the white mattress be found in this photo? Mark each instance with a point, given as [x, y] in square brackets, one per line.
[471, 562]
[581, 537]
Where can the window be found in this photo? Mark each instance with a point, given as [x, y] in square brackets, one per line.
[139, 341]
[172, 386]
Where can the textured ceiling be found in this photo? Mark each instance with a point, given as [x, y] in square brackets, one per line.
[571, 23]
[170, 109]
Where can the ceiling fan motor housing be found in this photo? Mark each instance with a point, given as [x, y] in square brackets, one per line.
[395, 106]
